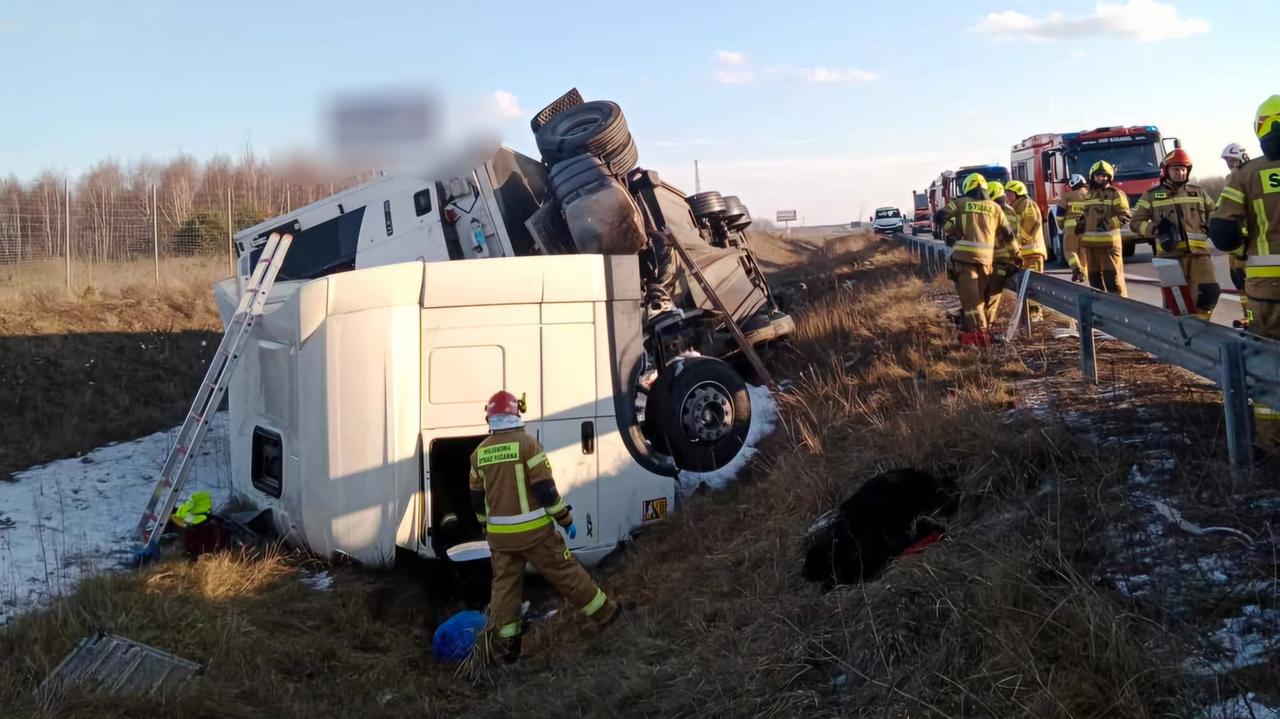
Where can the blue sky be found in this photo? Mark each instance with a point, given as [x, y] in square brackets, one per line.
[830, 108]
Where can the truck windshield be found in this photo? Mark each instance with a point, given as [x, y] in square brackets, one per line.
[922, 202]
[1131, 161]
[992, 174]
[886, 212]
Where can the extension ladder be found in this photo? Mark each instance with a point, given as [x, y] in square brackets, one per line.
[178, 463]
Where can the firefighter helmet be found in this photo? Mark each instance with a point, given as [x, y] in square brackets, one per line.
[1268, 119]
[1177, 158]
[995, 189]
[503, 402]
[975, 179]
[1102, 167]
[1236, 152]
[1016, 187]
[1077, 181]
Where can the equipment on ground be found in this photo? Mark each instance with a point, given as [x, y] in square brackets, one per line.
[181, 457]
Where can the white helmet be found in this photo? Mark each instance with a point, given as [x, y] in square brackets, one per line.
[1077, 180]
[1235, 152]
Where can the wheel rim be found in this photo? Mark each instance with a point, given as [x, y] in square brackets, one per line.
[706, 412]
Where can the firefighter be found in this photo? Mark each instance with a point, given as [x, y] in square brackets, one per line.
[515, 498]
[1235, 155]
[1030, 235]
[1007, 256]
[1069, 207]
[1250, 203]
[972, 223]
[1247, 217]
[1176, 213]
[1101, 214]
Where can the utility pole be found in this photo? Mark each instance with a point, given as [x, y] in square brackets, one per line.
[155, 232]
[697, 178]
[66, 225]
[231, 236]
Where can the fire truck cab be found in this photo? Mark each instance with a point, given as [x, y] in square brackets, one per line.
[948, 186]
[1045, 162]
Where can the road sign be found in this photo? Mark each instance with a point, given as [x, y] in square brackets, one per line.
[786, 216]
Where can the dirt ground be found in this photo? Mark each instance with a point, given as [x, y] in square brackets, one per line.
[1064, 589]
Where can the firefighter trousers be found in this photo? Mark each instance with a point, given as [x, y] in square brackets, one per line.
[1203, 283]
[1106, 268]
[1265, 323]
[1034, 263]
[971, 285]
[1001, 276]
[551, 558]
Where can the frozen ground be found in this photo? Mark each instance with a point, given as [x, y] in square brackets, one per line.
[764, 416]
[67, 519]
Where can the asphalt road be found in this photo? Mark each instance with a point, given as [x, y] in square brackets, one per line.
[1143, 286]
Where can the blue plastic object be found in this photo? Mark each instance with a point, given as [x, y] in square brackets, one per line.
[455, 637]
[572, 529]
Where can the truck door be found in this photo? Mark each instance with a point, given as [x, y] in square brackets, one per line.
[569, 427]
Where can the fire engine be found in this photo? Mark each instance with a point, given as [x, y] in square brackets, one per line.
[947, 187]
[921, 217]
[1045, 162]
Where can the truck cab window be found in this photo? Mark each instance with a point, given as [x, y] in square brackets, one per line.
[324, 249]
[422, 202]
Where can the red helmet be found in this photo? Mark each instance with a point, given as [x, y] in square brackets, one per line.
[503, 402]
[1178, 157]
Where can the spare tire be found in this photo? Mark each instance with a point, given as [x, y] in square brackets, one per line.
[733, 208]
[597, 128]
[706, 204]
[701, 409]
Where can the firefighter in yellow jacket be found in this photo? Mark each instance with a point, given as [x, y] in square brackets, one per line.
[1101, 214]
[973, 224]
[1030, 227]
[515, 498]
[1251, 203]
[1007, 256]
[1070, 206]
[1235, 155]
[1176, 213]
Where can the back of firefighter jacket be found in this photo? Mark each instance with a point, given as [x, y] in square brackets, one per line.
[1252, 197]
[977, 225]
[1030, 227]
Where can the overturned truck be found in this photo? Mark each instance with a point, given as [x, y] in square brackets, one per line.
[404, 303]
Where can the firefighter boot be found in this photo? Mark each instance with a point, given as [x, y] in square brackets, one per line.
[509, 649]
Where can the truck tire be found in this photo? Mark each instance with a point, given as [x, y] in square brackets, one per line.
[706, 204]
[743, 222]
[701, 409]
[597, 128]
[733, 209]
[570, 177]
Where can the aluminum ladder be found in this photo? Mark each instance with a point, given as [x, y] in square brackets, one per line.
[177, 464]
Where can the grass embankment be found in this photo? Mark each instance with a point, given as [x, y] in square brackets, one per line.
[112, 362]
[1003, 620]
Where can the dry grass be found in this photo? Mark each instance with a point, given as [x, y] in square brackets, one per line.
[48, 277]
[116, 361]
[1003, 620]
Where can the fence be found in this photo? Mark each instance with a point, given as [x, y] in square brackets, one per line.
[1244, 366]
[55, 233]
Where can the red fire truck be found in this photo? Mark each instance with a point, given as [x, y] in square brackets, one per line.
[1047, 161]
[921, 217]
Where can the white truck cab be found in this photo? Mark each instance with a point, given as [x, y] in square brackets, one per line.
[887, 220]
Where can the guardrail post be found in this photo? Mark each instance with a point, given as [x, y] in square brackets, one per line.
[1235, 404]
[1088, 354]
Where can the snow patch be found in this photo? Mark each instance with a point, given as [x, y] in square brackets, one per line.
[321, 581]
[73, 518]
[1239, 707]
[1244, 641]
[764, 417]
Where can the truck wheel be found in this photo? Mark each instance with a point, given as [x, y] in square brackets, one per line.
[703, 411]
[733, 209]
[707, 204]
[597, 128]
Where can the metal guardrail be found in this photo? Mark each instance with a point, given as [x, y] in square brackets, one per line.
[1245, 366]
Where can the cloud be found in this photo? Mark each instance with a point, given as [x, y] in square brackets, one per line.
[829, 76]
[1141, 20]
[730, 57]
[731, 68]
[508, 104]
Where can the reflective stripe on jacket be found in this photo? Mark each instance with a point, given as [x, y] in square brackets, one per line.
[505, 468]
[1030, 228]
[1252, 198]
[976, 225]
[1108, 209]
[1187, 207]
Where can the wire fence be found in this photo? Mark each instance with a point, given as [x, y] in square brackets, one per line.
[55, 234]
